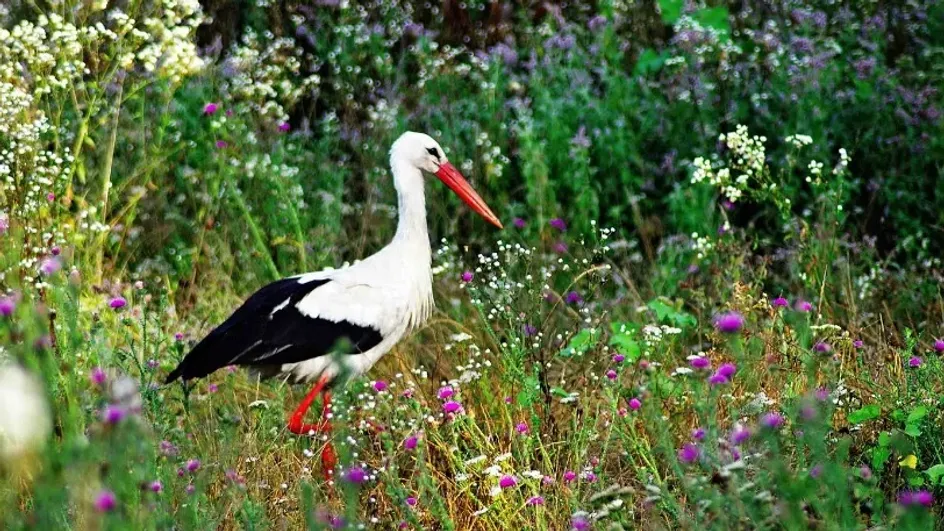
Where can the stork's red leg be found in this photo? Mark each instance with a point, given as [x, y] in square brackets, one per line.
[295, 422]
[329, 459]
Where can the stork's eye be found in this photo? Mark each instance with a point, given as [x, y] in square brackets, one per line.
[433, 152]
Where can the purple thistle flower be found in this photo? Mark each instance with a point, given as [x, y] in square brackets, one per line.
[168, 448]
[700, 362]
[739, 435]
[445, 392]
[221, 144]
[156, 486]
[529, 330]
[858, 344]
[569, 476]
[688, 453]
[380, 386]
[356, 476]
[727, 370]
[939, 345]
[618, 358]
[865, 472]
[284, 127]
[821, 394]
[573, 298]
[780, 302]
[772, 420]
[729, 323]
[521, 427]
[212, 388]
[803, 306]
[105, 501]
[698, 434]
[411, 442]
[589, 476]
[560, 247]
[50, 266]
[635, 404]
[7, 305]
[915, 362]
[611, 374]
[717, 379]
[193, 465]
[822, 347]
[411, 501]
[191, 488]
[56, 250]
[210, 109]
[451, 407]
[506, 482]
[467, 276]
[113, 414]
[117, 303]
[178, 336]
[519, 223]
[558, 224]
[535, 500]
[816, 471]
[579, 522]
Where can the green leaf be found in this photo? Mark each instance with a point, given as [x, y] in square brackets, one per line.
[869, 412]
[715, 18]
[879, 456]
[884, 439]
[649, 61]
[580, 343]
[916, 481]
[559, 392]
[666, 312]
[671, 10]
[917, 414]
[935, 474]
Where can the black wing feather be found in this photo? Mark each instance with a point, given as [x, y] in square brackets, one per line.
[253, 335]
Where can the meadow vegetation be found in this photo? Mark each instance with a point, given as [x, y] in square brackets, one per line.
[716, 303]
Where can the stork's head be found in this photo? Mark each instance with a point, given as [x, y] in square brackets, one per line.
[426, 154]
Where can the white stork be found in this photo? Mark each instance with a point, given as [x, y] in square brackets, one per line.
[318, 326]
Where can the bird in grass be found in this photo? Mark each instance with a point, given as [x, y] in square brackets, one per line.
[319, 327]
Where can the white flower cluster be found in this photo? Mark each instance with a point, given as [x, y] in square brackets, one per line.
[266, 73]
[747, 159]
[799, 140]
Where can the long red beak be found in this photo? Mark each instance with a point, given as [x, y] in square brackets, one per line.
[450, 175]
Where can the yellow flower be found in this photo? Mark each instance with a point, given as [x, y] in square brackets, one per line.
[910, 461]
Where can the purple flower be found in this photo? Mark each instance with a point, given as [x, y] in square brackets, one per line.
[411, 501]
[816, 471]
[519, 223]
[727, 370]
[569, 476]
[698, 434]
[506, 482]
[914, 362]
[191, 489]
[700, 362]
[865, 472]
[579, 522]
[451, 407]
[467, 276]
[729, 323]
[535, 500]
[611, 374]
[221, 144]
[212, 388]
[167, 448]
[193, 465]
[772, 420]
[596, 22]
[780, 302]
[156, 486]
[939, 345]
[688, 453]
[618, 358]
[113, 414]
[821, 394]
[49, 266]
[284, 127]
[635, 404]
[717, 379]
[356, 476]
[529, 330]
[105, 501]
[380, 386]
[7, 305]
[521, 427]
[581, 139]
[410, 442]
[118, 303]
[589, 476]
[858, 344]
[739, 435]
[822, 347]
[558, 224]
[573, 298]
[4, 223]
[803, 306]
[560, 247]
[445, 392]
[916, 497]
[56, 250]
[210, 109]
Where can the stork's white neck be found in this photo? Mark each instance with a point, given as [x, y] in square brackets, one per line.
[411, 202]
